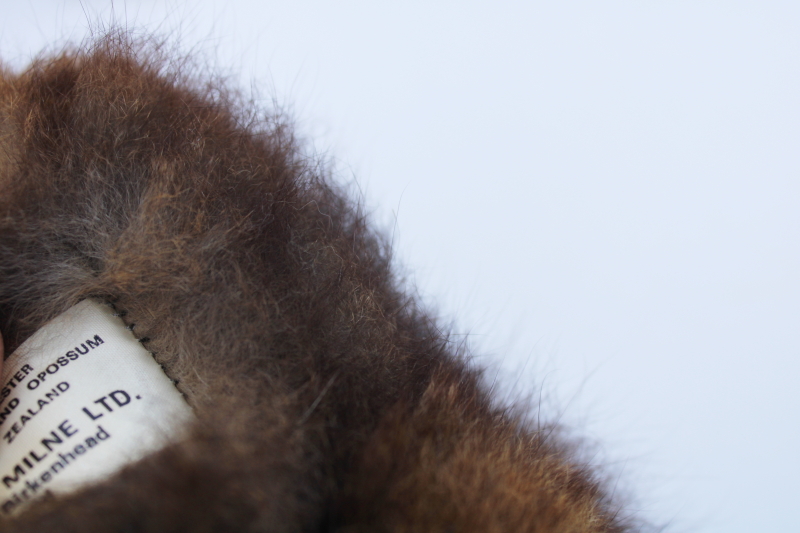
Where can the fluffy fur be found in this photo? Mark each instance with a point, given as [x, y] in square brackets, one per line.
[326, 399]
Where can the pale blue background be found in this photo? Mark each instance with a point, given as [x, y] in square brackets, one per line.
[603, 194]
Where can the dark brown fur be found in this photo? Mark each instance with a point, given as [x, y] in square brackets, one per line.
[326, 399]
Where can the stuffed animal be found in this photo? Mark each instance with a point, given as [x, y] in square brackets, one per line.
[322, 396]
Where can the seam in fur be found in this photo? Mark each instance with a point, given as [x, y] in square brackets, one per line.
[144, 340]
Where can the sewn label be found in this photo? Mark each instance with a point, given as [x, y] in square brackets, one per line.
[80, 399]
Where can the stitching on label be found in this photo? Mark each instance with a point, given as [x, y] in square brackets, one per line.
[44, 446]
[144, 340]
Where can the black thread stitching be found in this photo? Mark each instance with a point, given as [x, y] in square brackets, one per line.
[143, 341]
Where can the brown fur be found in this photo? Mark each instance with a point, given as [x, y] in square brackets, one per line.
[326, 399]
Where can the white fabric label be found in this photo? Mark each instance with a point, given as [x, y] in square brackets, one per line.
[80, 399]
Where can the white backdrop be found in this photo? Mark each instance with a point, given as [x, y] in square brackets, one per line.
[604, 195]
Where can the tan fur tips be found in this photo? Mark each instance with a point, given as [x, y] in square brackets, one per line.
[327, 399]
